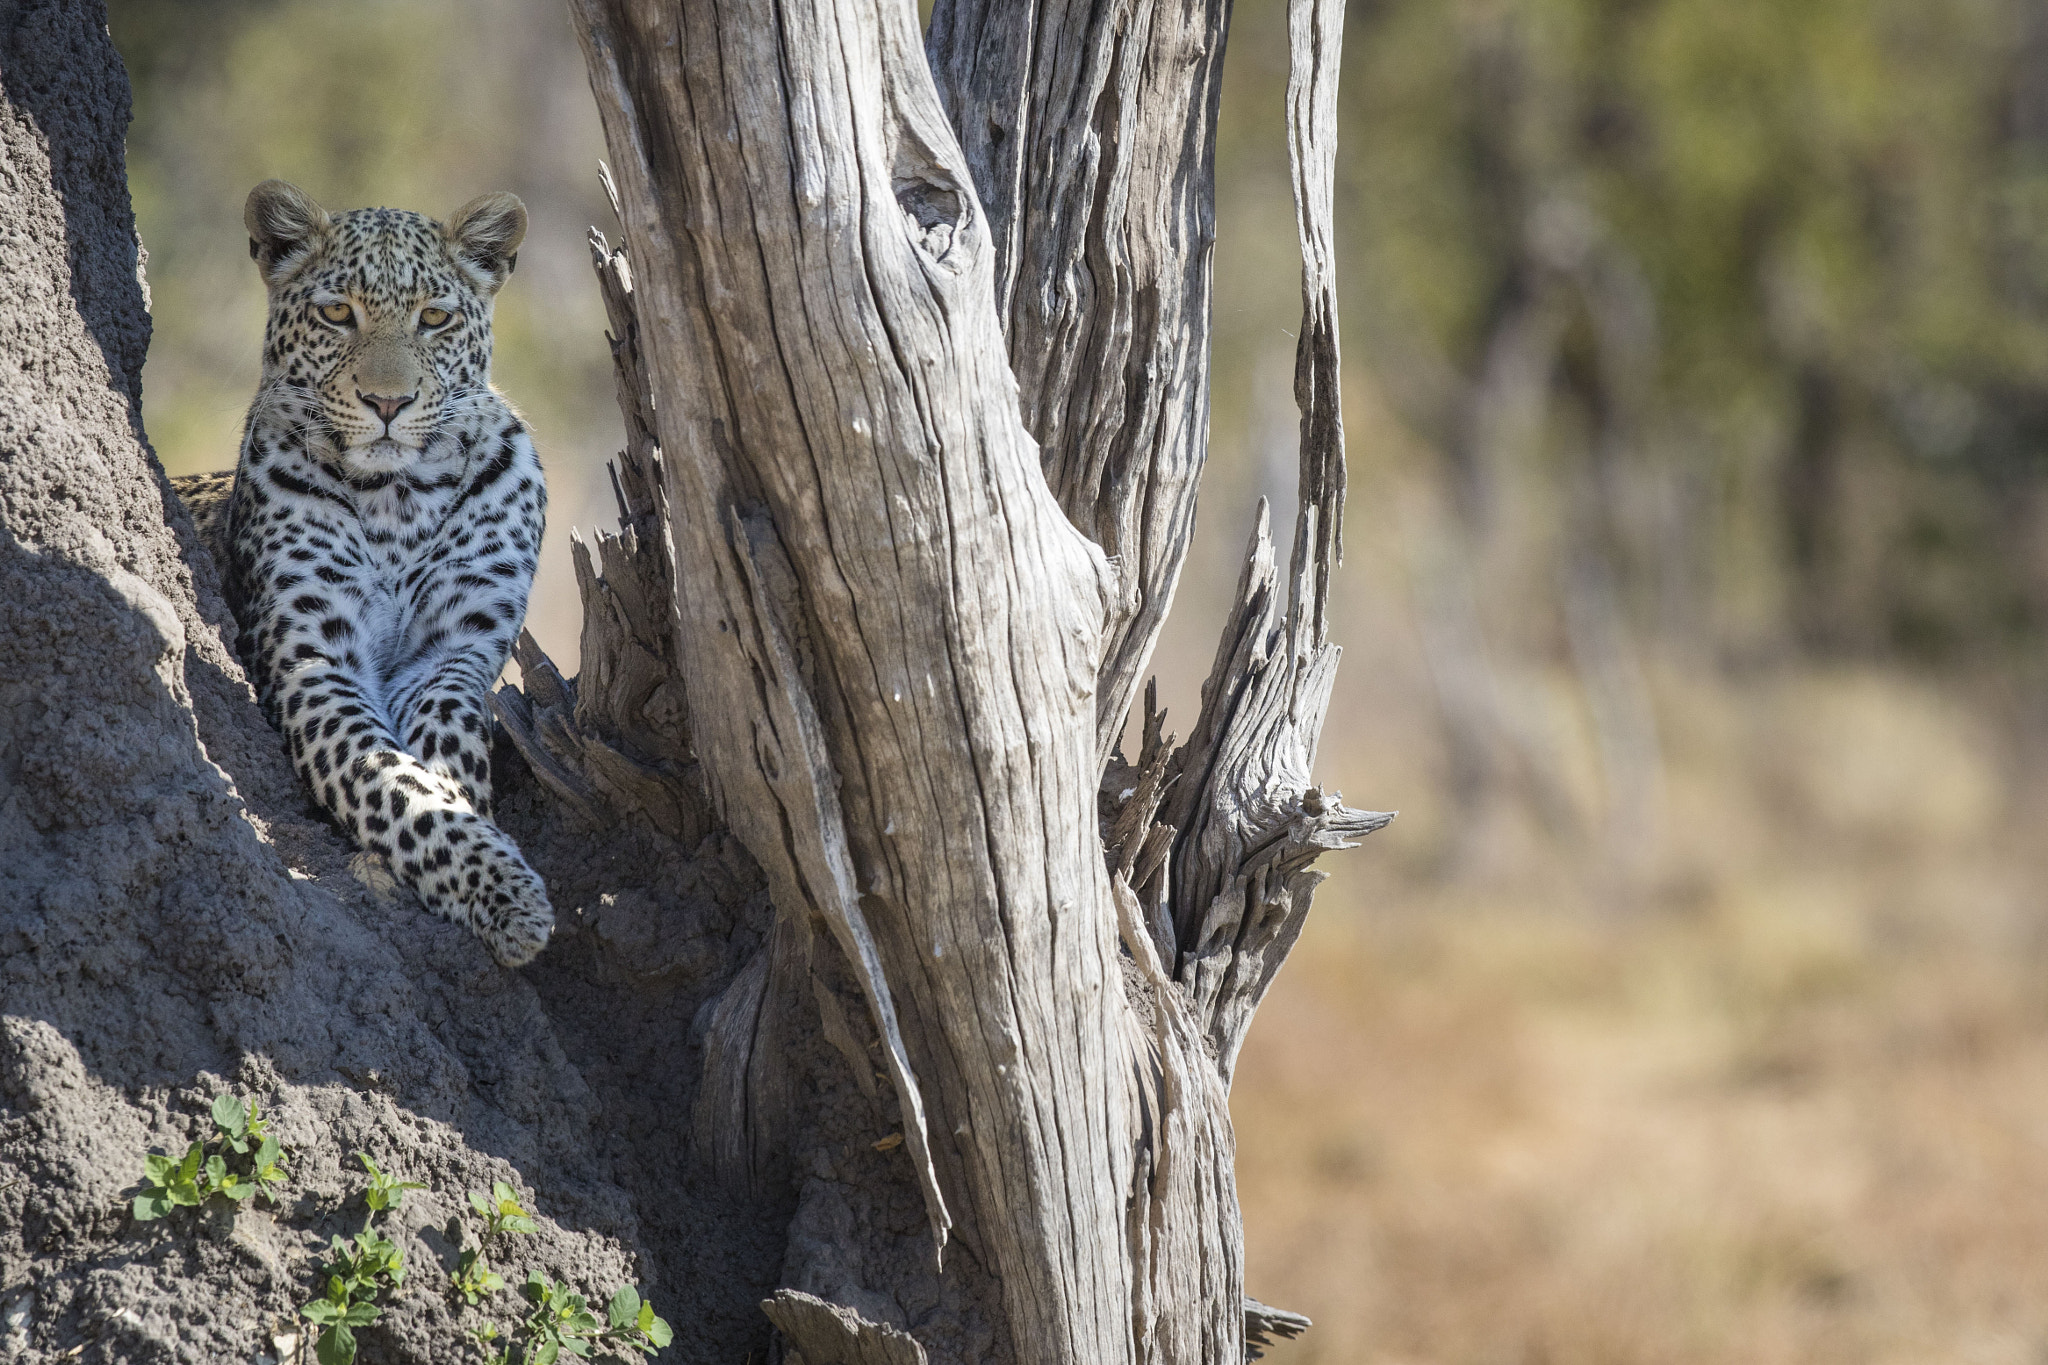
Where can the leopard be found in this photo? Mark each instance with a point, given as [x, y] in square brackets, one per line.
[378, 538]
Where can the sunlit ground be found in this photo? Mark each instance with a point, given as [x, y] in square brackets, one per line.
[1792, 1108]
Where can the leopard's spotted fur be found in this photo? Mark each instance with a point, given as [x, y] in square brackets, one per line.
[381, 537]
[206, 496]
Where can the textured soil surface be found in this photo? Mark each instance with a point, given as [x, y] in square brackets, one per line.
[176, 922]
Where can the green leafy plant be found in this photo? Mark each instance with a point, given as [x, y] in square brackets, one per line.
[561, 1323]
[360, 1268]
[385, 1192]
[238, 1126]
[268, 1171]
[169, 1184]
[501, 1211]
[486, 1337]
[242, 1159]
[473, 1277]
[190, 1180]
[633, 1325]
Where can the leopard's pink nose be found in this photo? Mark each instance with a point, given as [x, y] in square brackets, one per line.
[387, 408]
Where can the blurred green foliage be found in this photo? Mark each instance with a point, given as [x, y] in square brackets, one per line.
[1829, 216]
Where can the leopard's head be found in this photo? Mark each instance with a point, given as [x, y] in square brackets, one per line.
[380, 319]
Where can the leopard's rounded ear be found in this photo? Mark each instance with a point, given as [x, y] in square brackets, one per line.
[486, 233]
[284, 225]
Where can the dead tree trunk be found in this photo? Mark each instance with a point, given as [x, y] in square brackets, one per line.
[914, 361]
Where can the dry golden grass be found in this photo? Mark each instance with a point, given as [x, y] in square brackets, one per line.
[1789, 1104]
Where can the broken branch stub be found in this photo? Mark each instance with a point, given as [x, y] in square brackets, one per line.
[615, 742]
[830, 1334]
[1247, 816]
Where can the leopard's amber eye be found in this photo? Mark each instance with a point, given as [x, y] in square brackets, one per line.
[337, 312]
[433, 317]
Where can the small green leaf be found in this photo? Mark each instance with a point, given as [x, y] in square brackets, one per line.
[229, 1116]
[362, 1314]
[268, 1154]
[151, 1205]
[188, 1169]
[157, 1169]
[183, 1193]
[216, 1171]
[624, 1307]
[321, 1311]
[480, 1204]
[657, 1329]
[546, 1353]
[336, 1346]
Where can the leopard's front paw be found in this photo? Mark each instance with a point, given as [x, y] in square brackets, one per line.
[490, 888]
[512, 914]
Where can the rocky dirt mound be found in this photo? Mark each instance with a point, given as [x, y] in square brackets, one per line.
[175, 923]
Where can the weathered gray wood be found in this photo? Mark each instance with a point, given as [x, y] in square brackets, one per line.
[902, 663]
[822, 1333]
[615, 743]
[800, 774]
[1247, 815]
[1264, 1324]
[804, 229]
[1090, 130]
[1315, 45]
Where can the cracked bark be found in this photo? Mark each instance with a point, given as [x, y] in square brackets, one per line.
[913, 358]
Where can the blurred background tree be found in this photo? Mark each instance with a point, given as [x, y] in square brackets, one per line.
[1698, 594]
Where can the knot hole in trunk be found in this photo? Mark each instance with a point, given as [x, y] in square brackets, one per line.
[935, 212]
